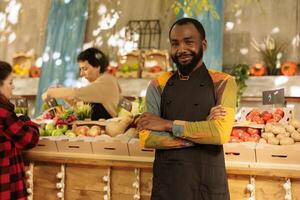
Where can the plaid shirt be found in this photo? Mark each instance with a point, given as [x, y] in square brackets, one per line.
[16, 134]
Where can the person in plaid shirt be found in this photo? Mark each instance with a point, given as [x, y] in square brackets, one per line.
[16, 134]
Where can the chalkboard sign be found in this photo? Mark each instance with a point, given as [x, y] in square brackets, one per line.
[273, 97]
[52, 103]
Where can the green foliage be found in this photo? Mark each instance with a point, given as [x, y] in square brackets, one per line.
[271, 52]
[83, 111]
[195, 7]
[241, 73]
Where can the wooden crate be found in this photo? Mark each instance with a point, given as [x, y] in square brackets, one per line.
[135, 149]
[280, 154]
[46, 144]
[129, 65]
[241, 152]
[75, 145]
[242, 114]
[155, 59]
[106, 145]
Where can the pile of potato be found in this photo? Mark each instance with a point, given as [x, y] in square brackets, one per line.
[281, 134]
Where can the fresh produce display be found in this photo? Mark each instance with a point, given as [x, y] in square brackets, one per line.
[83, 111]
[155, 69]
[51, 129]
[245, 134]
[85, 130]
[281, 134]
[263, 117]
[126, 68]
[289, 68]
[119, 126]
[258, 70]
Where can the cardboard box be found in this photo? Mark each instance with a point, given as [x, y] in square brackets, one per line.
[106, 145]
[279, 154]
[74, 145]
[46, 144]
[135, 149]
[241, 152]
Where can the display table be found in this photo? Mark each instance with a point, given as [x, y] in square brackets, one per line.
[84, 177]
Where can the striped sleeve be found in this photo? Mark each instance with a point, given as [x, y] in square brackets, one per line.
[214, 131]
[153, 139]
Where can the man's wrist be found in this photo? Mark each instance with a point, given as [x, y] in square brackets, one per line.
[169, 125]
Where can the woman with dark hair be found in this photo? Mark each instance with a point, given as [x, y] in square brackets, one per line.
[103, 92]
[16, 134]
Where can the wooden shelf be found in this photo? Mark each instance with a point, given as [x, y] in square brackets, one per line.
[241, 168]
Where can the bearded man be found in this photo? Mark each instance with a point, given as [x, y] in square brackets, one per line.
[190, 114]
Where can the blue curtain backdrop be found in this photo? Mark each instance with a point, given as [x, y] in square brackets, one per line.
[64, 40]
[214, 35]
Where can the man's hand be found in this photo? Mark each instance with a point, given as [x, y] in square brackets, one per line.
[152, 122]
[217, 112]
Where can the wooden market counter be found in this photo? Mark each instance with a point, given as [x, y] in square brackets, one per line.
[84, 177]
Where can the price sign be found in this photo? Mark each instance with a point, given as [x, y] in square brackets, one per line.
[52, 103]
[21, 102]
[273, 97]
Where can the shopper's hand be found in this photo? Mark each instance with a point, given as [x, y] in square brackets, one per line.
[217, 112]
[152, 122]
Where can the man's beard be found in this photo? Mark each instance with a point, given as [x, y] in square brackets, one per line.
[186, 69]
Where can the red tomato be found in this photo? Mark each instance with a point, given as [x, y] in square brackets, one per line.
[252, 114]
[266, 116]
[258, 120]
[237, 132]
[277, 117]
[234, 139]
[256, 137]
[271, 121]
[252, 131]
[245, 136]
[279, 111]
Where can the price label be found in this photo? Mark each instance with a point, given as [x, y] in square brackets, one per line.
[21, 102]
[273, 97]
[126, 104]
[52, 103]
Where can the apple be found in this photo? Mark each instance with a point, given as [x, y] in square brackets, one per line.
[49, 128]
[62, 127]
[70, 133]
[57, 132]
[42, 132]
[82, 130]
[94, 131]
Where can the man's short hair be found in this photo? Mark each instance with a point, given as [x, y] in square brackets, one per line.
[195, 22]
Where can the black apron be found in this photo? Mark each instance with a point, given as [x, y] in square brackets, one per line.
[99, 112]
[193, 173]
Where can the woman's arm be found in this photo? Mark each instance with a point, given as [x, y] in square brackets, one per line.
[23, 133]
